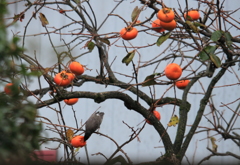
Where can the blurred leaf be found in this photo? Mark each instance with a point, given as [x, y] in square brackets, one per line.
[214, 146]
[215, 59]
[22, 17]
[33, 68]
[216, 35]
[173, 121]
[34, 15]
[69, 134]
[35, 73]
[150, 80]
[192, 26]
[163, 38]
[204, 54]
[90, 45]
[135, 13]
[46, 70]
[20, 132]
[43, 19]
[128, 58]
[77, 1]
[228, 38]
[105, 40]
[197, 24]
[16, 17]
[77, 149]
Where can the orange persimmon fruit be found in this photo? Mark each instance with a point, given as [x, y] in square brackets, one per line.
[8, 89]
[173, 71]
[181, 84]
[76, 68]
[71, 75]
[71, 101]
[192, 15]
[78, 141]
[166, 14]
[169, 25]
[156, 25]
[156, 114]
[62, 79]
[128, 33]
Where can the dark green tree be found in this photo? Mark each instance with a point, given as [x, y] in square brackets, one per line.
[19, 133]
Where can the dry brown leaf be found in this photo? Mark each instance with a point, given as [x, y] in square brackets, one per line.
[214, 146]
[69, 134]
[43, 19]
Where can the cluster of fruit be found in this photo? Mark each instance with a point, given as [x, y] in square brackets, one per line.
[164, 22]
[172, 71]
[65, 78]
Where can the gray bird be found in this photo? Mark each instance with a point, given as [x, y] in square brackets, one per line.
[93, 123]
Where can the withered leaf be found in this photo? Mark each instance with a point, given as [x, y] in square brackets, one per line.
[69, 134]
[173, 121]
[43, 19]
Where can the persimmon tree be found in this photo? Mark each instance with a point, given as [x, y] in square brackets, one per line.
[206, 49]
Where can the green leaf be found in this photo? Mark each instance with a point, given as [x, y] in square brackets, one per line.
[150, 80]
[90, 46]
[77, 149]
[197, 24]
[35, 73]
[135, 13]
[192, 26]
[128, 58]
[204, 54]
[215, 59]
[163, 38]
[216, 35]
[105, 40]
[228, 38]
[77, 1]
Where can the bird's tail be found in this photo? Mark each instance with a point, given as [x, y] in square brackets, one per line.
[87, 135]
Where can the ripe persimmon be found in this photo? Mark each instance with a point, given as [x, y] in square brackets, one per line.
[71, 101]
[71, 75]
[76, 68]
[166, 14]
[78, 141]
[173, 71]
[128, 33]
[169, 25]
[156, 114]
[192, 15]
[181, 84]
[8, 89]
[156, 25]
[62, 79]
